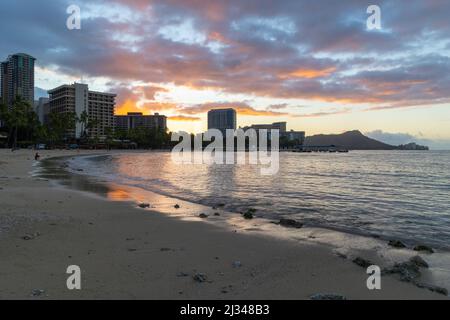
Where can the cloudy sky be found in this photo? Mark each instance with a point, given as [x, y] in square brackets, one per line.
[313, 64]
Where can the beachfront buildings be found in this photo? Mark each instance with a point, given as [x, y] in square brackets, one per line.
[135, 120]
[41, 108]
[296, 136]
[77, 98]
[276, 125]
[17, 78]
[222, 119]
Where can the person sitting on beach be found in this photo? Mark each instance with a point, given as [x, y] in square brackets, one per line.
[36, 156]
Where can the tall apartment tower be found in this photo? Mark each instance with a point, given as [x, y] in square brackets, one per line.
[17, 78]
[222, 119]
[77, 98]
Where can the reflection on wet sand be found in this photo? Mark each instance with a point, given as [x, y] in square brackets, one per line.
[118, 195]
[343, 243]
[55, 169]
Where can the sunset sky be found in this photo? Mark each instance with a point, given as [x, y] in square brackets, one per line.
[313, 64]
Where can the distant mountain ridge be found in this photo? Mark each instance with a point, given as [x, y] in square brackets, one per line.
[351, 140]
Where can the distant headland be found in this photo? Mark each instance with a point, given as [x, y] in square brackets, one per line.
[355, 140]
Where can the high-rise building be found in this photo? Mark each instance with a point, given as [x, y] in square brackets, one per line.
[222, 119]
[137, 120]
[77, 98]
[17, 78]
[41, 108]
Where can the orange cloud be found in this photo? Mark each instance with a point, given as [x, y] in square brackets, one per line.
[249, 111]
[184, 118]
[309, 73]
[149, 92]
[219, 37]
[128, 106]
[133, 100]
[156, 106]
[241, 108]
[324, 113]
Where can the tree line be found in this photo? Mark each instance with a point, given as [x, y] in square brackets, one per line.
[22, 128]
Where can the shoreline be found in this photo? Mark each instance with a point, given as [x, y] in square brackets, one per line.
[349, 231]
[347, 244]
[409, 240]
[128, 254]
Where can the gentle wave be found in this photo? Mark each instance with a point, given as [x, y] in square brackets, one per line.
[402, 195]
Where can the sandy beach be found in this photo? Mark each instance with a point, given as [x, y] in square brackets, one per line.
[125, 252]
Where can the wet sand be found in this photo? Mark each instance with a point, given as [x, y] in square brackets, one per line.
[126, 252]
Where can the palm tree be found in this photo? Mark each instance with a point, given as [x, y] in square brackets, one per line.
[109, 133]
[32, 123]
[42, 134]
[93, 123]
[4, 115]
[59, 124]
[19, 117]
[84, 118]
[4, 118]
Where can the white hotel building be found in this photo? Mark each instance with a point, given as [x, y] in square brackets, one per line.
[78, 98]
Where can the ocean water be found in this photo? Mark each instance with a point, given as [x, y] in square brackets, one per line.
[392, 194]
